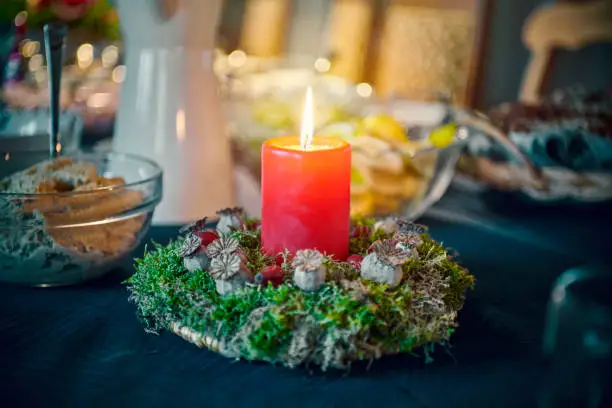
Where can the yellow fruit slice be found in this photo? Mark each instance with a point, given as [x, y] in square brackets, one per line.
[384, 127]
[402, 185]
[377, 154]
[386, 204]
[443, 136]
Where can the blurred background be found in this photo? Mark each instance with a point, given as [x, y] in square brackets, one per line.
[391, 70]
[352, 31]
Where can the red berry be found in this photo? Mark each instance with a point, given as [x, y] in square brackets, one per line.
[361, 231]
[273, 274]
[207, 237]
[355, 261]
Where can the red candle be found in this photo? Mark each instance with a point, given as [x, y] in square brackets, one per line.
[306, 195]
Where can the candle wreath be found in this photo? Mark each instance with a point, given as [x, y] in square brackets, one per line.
[399, 290]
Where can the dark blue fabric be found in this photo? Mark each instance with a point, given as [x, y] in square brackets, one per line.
[84, 346]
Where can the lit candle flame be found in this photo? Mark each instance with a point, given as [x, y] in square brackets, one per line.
[307, 128]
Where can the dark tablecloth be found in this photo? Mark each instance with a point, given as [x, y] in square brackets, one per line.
[84, 346]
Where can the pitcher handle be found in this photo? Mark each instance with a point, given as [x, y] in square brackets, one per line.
[482, 123]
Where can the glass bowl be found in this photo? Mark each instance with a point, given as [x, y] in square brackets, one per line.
[73, 219]
[398, 168]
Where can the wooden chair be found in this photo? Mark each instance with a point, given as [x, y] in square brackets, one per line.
[350, 37]
[264, 27]
[431, 45]
[399, 46]
[560, 26]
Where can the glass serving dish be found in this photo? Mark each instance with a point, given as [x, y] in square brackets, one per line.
[404, 150]
[73, 219]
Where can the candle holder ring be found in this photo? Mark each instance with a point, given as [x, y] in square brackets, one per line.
[399, 291]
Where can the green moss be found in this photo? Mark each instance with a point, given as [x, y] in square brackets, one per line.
[329, 327]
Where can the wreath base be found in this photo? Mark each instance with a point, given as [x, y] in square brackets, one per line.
[349, 318]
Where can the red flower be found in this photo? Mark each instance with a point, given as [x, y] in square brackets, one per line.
[355, 261]
[272, 274]
[69, 10]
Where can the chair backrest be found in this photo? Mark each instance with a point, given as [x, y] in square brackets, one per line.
[432, 45]
[264, 27]
[560, 26]
[399, 46]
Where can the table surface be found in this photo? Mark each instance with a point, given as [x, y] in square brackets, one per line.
[83, 346]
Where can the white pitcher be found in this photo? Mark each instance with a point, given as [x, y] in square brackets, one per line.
[169, 108]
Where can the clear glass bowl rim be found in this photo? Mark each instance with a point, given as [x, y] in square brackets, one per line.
[157, 174]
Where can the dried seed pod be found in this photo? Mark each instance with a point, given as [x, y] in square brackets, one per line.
[230, 273]
[230, 219]
[308, 260]
[190, 246]
[387, 251]
[389, 225]
[375, 269]
[225, 266]
[408, 242]
[194, 227]
[410, 228]
[309, 272]
[222, 246]
[238, 211]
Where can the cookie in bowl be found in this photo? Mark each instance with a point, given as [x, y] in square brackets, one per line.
[73, 218]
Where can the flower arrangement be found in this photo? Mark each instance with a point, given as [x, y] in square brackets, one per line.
[96, 16]
[399, 290]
